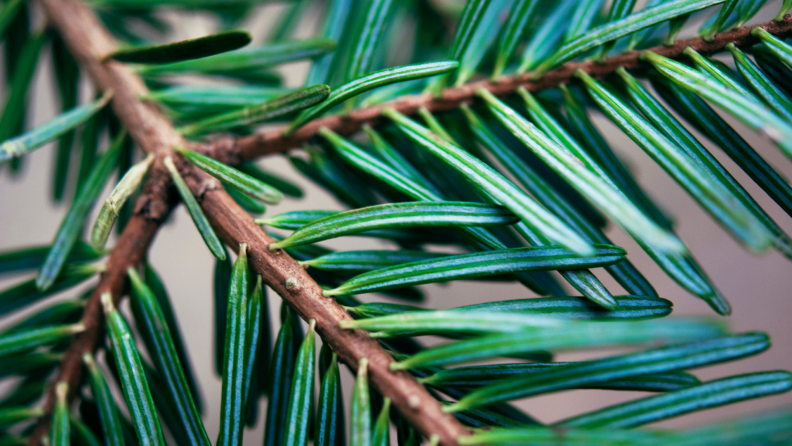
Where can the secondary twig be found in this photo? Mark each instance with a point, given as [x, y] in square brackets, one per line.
[233, 151]
[151, 209]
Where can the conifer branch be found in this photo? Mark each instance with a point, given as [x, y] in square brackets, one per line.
[89, 42]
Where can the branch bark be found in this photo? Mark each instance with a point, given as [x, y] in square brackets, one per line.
[151, 209]
[233, 151]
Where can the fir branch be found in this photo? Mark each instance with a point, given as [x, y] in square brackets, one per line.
[88, 41]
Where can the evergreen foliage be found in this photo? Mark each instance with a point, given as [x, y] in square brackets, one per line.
[415, 115]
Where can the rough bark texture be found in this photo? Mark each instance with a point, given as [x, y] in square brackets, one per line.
[234, 151]
[151, 209]
[88, 41]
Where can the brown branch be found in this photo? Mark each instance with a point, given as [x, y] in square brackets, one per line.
[151, 209]
[233, 151]
[87, 40]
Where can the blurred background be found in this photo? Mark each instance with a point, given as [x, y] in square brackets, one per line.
[758, 287]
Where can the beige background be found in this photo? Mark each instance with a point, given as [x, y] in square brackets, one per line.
[758, 286]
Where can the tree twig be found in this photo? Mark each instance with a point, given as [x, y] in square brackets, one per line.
[151, 209]
[88, 40]
[233, 151]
